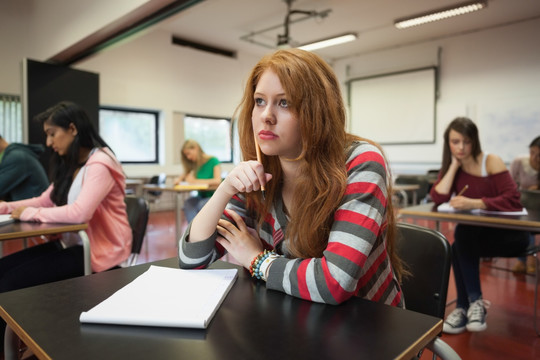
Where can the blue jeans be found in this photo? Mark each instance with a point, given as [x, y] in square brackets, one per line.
[193, 205]
[474, 242]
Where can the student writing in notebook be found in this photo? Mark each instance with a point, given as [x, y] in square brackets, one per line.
[199, 168]
[87, 187]
[325, 229]
[490, 187]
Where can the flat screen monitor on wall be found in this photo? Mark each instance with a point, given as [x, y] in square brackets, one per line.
[395, 108]
[45, 84]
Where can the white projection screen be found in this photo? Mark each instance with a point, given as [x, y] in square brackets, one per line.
[395, 108]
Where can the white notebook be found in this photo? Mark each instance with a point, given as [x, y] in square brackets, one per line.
[166, 297]
[6, 219]
[446, 207]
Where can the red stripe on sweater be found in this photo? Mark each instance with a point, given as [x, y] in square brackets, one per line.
[366, 188]
[364, 157]
[334, 287]
[301, 277]
[372, 270]
[383, 287]
[349, 253]
[358, 219]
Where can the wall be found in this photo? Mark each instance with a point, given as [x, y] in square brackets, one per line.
[152, 73]
[38, 30]
[492, 76]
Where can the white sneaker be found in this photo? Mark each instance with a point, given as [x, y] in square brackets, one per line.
[477, 315]
[456, 322]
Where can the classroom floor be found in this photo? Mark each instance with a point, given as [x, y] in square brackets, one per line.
[510, 333]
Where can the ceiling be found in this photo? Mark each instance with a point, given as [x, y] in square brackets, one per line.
[223, 23]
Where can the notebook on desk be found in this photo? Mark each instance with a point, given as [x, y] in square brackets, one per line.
[6, 219]
[446, 207]
[166, 297]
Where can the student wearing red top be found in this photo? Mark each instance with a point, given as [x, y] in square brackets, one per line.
[488, 186]
[327, 215]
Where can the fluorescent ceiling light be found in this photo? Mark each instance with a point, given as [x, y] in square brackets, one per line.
[458, 9]
[328, 42]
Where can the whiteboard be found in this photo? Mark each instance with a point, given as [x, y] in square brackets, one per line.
[394, 108]
[507, 126]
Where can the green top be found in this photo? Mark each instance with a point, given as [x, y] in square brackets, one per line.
[2, 155]
[206, 171]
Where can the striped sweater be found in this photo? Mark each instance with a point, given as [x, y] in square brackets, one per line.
[355, 262]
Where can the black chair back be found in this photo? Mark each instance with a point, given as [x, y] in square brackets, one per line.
[427, 255]
[530, 199]
[420, 180]
[138, 212]
[157, 180]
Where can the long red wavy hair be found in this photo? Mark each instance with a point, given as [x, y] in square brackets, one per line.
[314, 96]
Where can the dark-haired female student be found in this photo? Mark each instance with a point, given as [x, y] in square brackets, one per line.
[481, 181]
[87, 187]
[325, 229]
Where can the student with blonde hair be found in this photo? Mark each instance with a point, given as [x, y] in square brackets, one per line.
[199, 168]
[324, 231]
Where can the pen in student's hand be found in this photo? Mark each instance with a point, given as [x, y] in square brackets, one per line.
[463, 190]
[263, 190]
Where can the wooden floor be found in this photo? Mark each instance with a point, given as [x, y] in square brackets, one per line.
[510, 333]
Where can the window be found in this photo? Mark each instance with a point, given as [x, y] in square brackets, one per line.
[213, 134]
[11, 123]
[132, 134]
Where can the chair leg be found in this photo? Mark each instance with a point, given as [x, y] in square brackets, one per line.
[536, 294]
[11, 344]
[443, 350]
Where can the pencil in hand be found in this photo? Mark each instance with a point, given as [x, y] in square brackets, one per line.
[263, 190]
[463, 190]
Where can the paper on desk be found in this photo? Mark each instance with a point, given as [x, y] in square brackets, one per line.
[166, 297]
[446, 207]
[6, 219]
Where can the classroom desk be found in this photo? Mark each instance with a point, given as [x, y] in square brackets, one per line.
[251, 323]
[134, 186]
[22, 229]
[403, 188]
[182, 193]
[529, 222]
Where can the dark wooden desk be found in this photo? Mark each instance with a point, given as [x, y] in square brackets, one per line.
[251, 323]
[530, 222]
[22, 229]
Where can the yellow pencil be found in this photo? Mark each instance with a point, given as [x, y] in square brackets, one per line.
[463, 190]
[263, 190]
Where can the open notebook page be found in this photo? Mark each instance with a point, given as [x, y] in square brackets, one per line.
[166, 297]
[6, 219]
[446, 207]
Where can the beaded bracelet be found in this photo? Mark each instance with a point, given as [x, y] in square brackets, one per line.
[254, 268]
[263, 268]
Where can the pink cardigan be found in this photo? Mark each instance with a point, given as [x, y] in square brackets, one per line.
[100, 204]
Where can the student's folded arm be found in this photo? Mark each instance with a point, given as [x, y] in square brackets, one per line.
[97, 183]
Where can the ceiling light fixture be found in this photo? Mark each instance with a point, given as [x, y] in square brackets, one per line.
[440, 14]
[341, 39]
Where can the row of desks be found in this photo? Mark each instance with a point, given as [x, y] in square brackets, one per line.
[46, 318]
